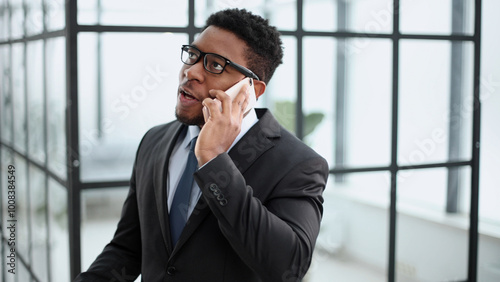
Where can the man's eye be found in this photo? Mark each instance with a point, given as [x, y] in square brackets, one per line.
[216, 66]
[192, 55]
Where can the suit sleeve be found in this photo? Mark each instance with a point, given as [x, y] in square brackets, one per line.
[276, 238]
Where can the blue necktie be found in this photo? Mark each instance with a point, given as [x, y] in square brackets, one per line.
[180, 203]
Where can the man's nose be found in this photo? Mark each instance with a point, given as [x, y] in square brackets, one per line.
[195, 72]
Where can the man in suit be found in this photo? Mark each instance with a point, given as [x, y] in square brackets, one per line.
[253, 212]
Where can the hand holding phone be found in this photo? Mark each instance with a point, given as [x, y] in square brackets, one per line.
[233, 92]
[235, 89]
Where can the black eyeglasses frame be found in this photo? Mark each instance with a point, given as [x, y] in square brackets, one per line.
[240, 68]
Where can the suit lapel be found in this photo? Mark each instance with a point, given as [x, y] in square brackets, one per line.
[195, 219]
[163, 151]
[256, 141]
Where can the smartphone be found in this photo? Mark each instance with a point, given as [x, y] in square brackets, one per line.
[234, 90]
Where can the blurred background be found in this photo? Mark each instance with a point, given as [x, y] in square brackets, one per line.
[383, 89]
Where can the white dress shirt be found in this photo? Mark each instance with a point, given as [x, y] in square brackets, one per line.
[178, 159]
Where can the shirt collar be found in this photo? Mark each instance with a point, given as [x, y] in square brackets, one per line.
[193, 131]
[248, 121]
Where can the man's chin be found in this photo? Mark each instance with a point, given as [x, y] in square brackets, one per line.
[196, 120]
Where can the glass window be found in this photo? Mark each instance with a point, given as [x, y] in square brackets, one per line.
[281, 13]
[6, 95]
[16, 19]
[319, 15]
[7, 158]
[58, 225]
[424, 88]
[370, 16]
[8, 278]
[23, 273]
[425, 189]
[204, 8]
[36, 116]
[427, 251]
[130, 99]
[101, 210]
[38, 219]
[318, 90]
[417, 17]
[34, 17]
[424, 105]
[353, 209]
[368, 104]
[19, 99]
[22, 207]
[55, 14]
[362, 16]
[135, 13]
[463, 178]
[56, 106]
[490, 115]
[4, 21]
[281, 92]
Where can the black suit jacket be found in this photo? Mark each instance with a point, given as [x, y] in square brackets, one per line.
[257, 219]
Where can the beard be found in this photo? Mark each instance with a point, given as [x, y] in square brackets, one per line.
[195, 120]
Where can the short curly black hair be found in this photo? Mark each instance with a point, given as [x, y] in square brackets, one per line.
[263, 40]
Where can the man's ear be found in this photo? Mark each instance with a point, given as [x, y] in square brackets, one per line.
[260, 87]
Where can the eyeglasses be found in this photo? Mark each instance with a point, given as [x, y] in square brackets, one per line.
[212, 62]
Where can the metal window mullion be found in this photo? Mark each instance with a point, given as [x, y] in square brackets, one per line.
[404, 167]
[299, 114]
[100, 96]
[72, 142]
[45, 139]
[191, 25]
[41, 167]
[455, 106]
[340, 91]
[476, 132]
[394, 144]
[29, 257]
[10, 95]
[350, 34]
[8, 63]
[2, 238]
[104, 184]
[44, 35]
[98, 73]
[11, 90]
[2, 245]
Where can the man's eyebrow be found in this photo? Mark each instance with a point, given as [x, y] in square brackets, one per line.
[194, 45]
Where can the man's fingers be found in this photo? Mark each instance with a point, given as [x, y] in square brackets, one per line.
[223, 98]
[242, 97]
[229, 105]
[213, 107]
